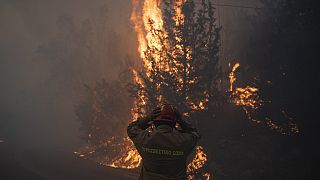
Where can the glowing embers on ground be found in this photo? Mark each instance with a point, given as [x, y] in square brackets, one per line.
[248, 98]
[115, 152]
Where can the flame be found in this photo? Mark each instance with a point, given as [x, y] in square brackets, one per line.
[129, 160]
[197, 162]
[232, 76]
[179, 17]
[145, 25]
[206, 175]
[123, 153]
[248, 98]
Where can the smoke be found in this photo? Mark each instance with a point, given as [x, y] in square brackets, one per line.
[49, 49]
[45, 62]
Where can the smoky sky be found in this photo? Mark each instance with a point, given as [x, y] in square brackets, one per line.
[45, 62]
[38, 87]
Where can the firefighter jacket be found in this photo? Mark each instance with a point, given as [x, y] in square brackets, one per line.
[164, 151]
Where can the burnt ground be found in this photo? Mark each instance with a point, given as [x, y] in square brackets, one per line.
[43, 164]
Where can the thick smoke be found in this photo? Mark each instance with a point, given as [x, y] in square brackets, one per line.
[46, 56]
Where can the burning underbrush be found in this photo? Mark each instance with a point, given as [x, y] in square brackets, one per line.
[115, 152]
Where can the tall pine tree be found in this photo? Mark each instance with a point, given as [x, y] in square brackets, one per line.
[184, 68]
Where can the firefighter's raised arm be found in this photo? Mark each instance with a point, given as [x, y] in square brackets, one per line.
[138, 127]
[189, 132]
[187, 127]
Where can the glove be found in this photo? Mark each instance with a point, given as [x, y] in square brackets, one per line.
[144, 122]
[178, 115]
[185, 126]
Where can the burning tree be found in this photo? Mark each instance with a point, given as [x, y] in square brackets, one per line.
[179, 44]
[180, 60]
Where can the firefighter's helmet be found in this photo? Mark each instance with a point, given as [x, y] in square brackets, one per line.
[167, 114]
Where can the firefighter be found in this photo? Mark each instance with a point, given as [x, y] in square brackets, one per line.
[165, 149]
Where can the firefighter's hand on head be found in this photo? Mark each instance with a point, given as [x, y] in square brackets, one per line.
[178, 115]
[179, 119]
[183, 124]
[144, 122]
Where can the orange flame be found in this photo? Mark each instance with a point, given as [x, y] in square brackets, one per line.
[232, 76]
[246, 97]
[129, 160]
[197, 162]
[144, 24]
